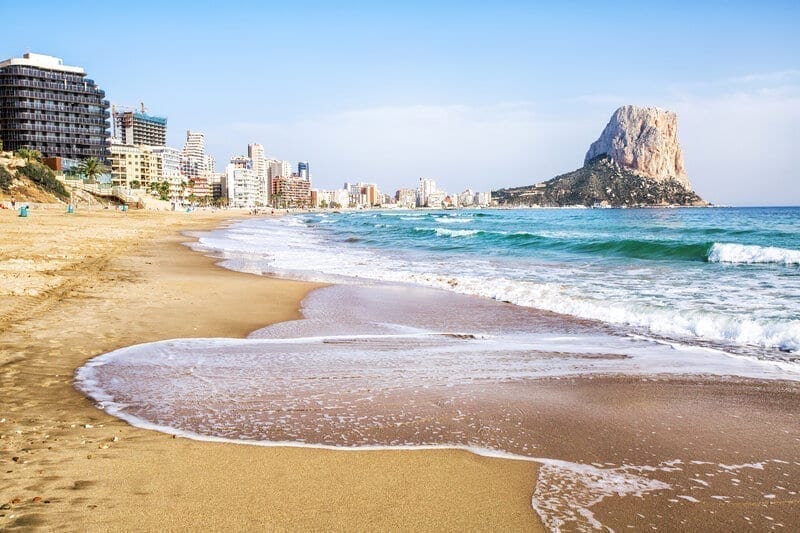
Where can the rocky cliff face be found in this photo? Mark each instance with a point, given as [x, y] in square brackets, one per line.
[636, 162]
[643, 140]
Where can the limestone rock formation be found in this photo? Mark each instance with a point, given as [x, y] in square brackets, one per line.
[636, 162]
[645, 141]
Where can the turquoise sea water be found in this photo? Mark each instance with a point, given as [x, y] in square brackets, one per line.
[726, 277]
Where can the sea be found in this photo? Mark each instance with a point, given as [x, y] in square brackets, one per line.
[431, 319]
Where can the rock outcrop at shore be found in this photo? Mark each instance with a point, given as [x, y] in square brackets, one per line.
[643, 140]
[637, 161]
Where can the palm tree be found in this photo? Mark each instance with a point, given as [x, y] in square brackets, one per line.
[92, 168]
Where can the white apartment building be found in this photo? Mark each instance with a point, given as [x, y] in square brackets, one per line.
[436, 199]
[483, 199]
[466, 198]
[336, 197]
[277, 168]
[426, 187]
[242, 187]
[169, 162]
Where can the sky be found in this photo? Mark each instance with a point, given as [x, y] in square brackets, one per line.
[472, 94]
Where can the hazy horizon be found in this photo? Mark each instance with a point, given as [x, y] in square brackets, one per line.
[468, 94]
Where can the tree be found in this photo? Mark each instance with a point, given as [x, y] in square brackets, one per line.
[29, 155]
[91, 168]
[161, 189]
[135, 184]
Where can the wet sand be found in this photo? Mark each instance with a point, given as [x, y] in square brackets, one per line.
[667, 451]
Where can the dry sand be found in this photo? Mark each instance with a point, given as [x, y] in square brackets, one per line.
[75, 286]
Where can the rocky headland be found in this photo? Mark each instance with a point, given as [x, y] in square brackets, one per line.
[636, 161]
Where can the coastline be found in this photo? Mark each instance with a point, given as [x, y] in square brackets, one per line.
[67, 453]
[99, 280]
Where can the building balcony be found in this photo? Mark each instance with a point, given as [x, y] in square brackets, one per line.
[61, 96]
[57, 108]
[6, 116]
[73, 87]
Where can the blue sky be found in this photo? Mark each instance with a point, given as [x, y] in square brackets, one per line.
[468, 93]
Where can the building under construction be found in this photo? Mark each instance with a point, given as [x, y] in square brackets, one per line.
[137, 127]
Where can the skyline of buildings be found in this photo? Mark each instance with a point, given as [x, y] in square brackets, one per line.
[53, 108]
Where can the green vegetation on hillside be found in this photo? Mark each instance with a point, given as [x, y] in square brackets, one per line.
[45, 178]
[5, 179]
[600, 181]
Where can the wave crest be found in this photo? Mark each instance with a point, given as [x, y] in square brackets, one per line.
[750, 254]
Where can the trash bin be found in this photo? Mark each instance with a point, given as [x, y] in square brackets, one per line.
[70, 209]
[23, 211]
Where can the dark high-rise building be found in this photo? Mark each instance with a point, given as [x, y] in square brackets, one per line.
[302, 170]
[134, 127]
[51, 107]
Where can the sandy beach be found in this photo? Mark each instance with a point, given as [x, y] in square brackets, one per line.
[73, 287]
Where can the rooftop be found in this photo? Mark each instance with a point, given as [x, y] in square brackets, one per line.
[43, 62]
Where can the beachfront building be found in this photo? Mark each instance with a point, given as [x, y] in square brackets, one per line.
[483, 199]
[168, 161]
[137, 127]
[132, 167]
[406, 198]
[277, 168]
[333, 198]
[241, 186]
[51, 107]
[436, 199]
[197, 165]
[426, 187]
[143, 167]
[290, 192]
[256, 154]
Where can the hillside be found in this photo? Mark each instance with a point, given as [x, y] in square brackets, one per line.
[600, 181]
[29, 182]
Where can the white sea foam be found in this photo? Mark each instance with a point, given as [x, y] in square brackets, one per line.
[748, 254]
[445, 232]
[176, 383]
[716, 304]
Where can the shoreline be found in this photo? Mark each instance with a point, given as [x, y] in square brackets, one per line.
[103, 473]
[97, 472]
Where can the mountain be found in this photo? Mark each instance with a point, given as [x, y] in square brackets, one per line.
[636, 161]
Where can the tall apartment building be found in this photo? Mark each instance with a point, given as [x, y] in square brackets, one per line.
[426, 187]
[196, 164]
[303, 170]
[51, 107]
[242, 186]
[290, 192]
[277, 168]
[260, 165]
[134, 127]
[169, 164]
[255, 152]
[406, 198]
